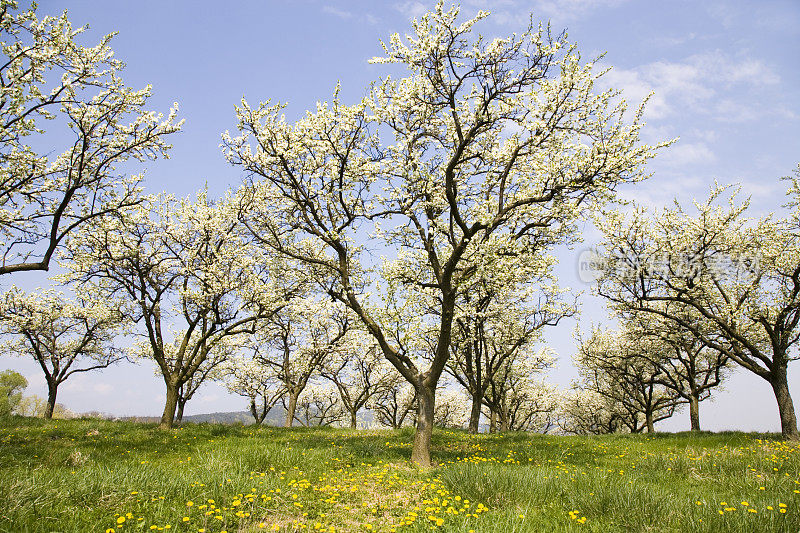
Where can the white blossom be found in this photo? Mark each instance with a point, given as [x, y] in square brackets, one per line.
[43, 198]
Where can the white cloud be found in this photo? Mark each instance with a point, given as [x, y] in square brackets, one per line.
[517, 12]
[636, 87]
[786, 113]
[411, 9]
[712, 83]
[687, 154]
[572, 9]
[74, 385]
[663, 41]
[336, 12]
[708, 136]
[102, 388]
[762, 192]
[729, 110]
[209, 399]
[666, 185]
[725, 13]
[349, 15]
[489, 5]
[655, 134]
[774, 17]
[719, 66]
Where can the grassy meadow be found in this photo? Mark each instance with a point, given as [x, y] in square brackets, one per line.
[90, 475]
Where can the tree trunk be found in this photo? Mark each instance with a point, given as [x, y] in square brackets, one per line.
[421, 452]
[290, 409]
[492, 421]
[353, 419]
[780, 386]
[650, 426]
[475, 414]
[259, 417]
[694, 411]
[397, 421]
[504, 425]
[168, 417]
[505, 422]
[179, 413]
[52, 390]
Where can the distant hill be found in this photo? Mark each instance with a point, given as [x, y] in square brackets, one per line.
[234, 417]
[275, 417]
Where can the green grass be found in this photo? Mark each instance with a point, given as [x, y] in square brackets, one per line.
[88, 475]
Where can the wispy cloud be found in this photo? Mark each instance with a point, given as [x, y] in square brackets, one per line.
[411, 9]
[571, 9]
[663, 41]
[516, 12]
[767, 16]
[730, 110]
[712, 83]
[349, 15]
[208, 399]
[102, 388]
[687, 154]
[725, 13]
[336, 12]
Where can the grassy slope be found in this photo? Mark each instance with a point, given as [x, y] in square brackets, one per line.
[87, 475]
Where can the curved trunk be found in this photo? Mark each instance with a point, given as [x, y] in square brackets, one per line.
[52, 390]
[421, 452]
[170, 406]
[780, 386]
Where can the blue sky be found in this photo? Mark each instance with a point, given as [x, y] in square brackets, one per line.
[725, 77]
